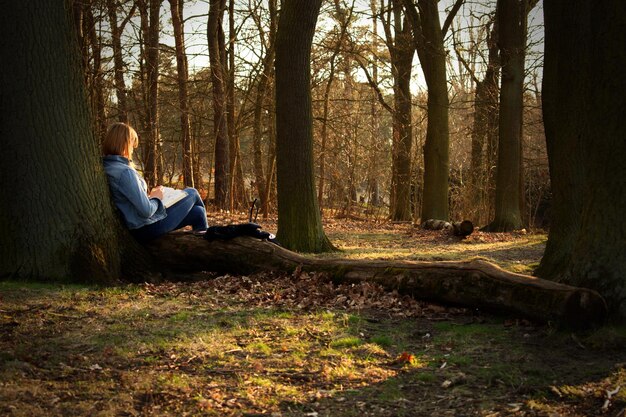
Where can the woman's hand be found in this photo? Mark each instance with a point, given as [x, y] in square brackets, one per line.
[157, 192]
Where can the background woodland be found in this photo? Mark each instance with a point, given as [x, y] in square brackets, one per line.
[196, 79]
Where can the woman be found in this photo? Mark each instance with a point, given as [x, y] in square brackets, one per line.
[144, 213]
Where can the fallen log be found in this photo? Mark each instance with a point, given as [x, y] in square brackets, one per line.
[474, 283]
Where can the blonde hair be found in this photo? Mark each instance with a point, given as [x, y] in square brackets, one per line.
[121, 139]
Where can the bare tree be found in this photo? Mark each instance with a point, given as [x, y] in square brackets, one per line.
[428, 35]
[176, 8]
[118, 60]
[215, 37]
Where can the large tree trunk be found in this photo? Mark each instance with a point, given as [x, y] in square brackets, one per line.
[215, 37]
[476, 283]
[583, 109]
[53, 207]
[511, 15]
[176, 8]
[436, 147]
[428, 37]
[299, 222]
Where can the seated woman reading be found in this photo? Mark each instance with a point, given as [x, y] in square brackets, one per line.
[144, 214]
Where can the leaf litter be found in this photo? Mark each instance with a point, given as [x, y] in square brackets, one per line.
[275, 344]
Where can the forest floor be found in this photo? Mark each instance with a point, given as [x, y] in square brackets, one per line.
[295, 345]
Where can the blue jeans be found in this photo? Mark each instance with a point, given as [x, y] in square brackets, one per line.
[189, 211]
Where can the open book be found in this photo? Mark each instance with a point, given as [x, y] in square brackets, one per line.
[172, 196]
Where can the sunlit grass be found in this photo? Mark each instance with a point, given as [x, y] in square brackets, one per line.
[389, 245]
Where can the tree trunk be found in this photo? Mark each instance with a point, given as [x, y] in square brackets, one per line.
[176, 8]
[512, 16]
[97, 88]
[402, 59]
[261, 97]
[215, 37]
[52, 209]
[583, 113]
[401, 53]
[475, 284]
[324, 133]
[428, 38]
[484, 131]
[152, 171]
[299, 222]
[118, 62]
[237, 188]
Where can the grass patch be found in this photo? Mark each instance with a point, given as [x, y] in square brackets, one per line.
[382, 340]
[345, 342]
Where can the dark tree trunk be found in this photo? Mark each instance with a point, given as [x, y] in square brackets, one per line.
[476, 284]
[150, 25]
[511, 15]
[56, 222]
[176, 8]
[299, 222]
[215, 37]
[583, 112]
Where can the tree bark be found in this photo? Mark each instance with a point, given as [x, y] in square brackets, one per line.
[511, 15]
[176, 8]
[215, 38]
[150, 25]
[401, 53]
[583, 114]
[428, 37]
[261, 97]
[299, 221]
[52, 209]
[484, 131]
[237, 187]
[476, 283]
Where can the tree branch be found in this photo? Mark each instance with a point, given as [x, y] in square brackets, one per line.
[453, 12]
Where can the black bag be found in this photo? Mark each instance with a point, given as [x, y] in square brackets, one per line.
[243, 229]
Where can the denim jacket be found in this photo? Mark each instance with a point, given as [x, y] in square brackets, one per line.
[130, 193]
